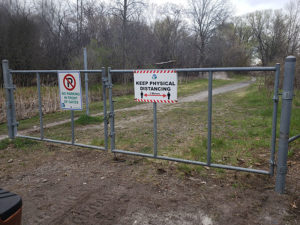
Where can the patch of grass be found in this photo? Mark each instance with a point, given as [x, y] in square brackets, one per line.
[19, 143]
[97, 142]
[186, 169]
[291, 152]
[23, 143]
[147, 149]
[85, 120]
[4, 143]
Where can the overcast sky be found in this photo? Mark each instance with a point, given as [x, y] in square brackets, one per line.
[240, 6]
[246, 6]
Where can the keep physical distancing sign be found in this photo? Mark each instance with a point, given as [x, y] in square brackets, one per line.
[70, 90]
[155, 86]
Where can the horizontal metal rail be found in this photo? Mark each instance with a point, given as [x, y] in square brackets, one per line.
[53, 71]
[221, 69]
[193, 162]
[294, 138]
[62, 142]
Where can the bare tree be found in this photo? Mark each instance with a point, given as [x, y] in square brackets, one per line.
[126, 11]
[269, 31]
[207, 15]
[168, 32]
[293, 27]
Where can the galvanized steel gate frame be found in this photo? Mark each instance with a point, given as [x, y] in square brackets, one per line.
[287, 96]
[208, 162]
[11, 112]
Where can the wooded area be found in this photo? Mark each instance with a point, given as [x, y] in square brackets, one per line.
[43, 34]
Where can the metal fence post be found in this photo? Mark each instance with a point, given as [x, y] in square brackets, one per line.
[111, 113]
[72, 127]
[86, 80]
[209, 119]
[287, 98]
[104, 83]
[38, 82]
[10, 103]
[155, 129]
[274, 119]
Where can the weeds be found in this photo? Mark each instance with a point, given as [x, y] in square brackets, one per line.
[97, 142]
[4, 143]
[18, 143]
[85, 120]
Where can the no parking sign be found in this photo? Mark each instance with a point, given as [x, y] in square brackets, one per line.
[70, 90]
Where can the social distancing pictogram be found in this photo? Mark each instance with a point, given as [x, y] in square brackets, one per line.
[155, 86]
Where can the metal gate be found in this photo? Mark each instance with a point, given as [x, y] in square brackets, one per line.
[284, 128]
[287, 96]
[155, 154]
[11, 113]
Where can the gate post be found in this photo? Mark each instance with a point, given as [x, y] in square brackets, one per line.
[10, 103]
[111, 112]
[86, 82]
[287, 98]
[104, 85]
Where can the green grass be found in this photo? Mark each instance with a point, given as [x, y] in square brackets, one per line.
[85, 120]
[19, 143]
[4, 143]
[97, 142]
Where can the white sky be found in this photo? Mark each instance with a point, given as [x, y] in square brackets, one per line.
[246, 6]
[240, 6]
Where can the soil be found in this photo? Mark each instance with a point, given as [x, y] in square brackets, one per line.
[69, 185]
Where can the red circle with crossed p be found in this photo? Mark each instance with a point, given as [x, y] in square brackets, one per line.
[69, 82]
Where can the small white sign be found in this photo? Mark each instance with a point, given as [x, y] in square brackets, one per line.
[70, 90]
[155, 86]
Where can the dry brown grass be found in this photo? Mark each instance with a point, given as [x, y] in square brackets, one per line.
[26, 101]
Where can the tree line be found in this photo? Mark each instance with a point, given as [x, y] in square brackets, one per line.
[43, 34]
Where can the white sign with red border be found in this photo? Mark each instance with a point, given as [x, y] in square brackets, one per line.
[155, 86]
[70, 90]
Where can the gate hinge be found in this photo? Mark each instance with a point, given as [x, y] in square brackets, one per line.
[275, 98]
[111, 114]
[272, 163]
[106, 83]
[287, 95]
[106, 119]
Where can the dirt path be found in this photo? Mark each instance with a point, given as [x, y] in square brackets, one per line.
[201, 96]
